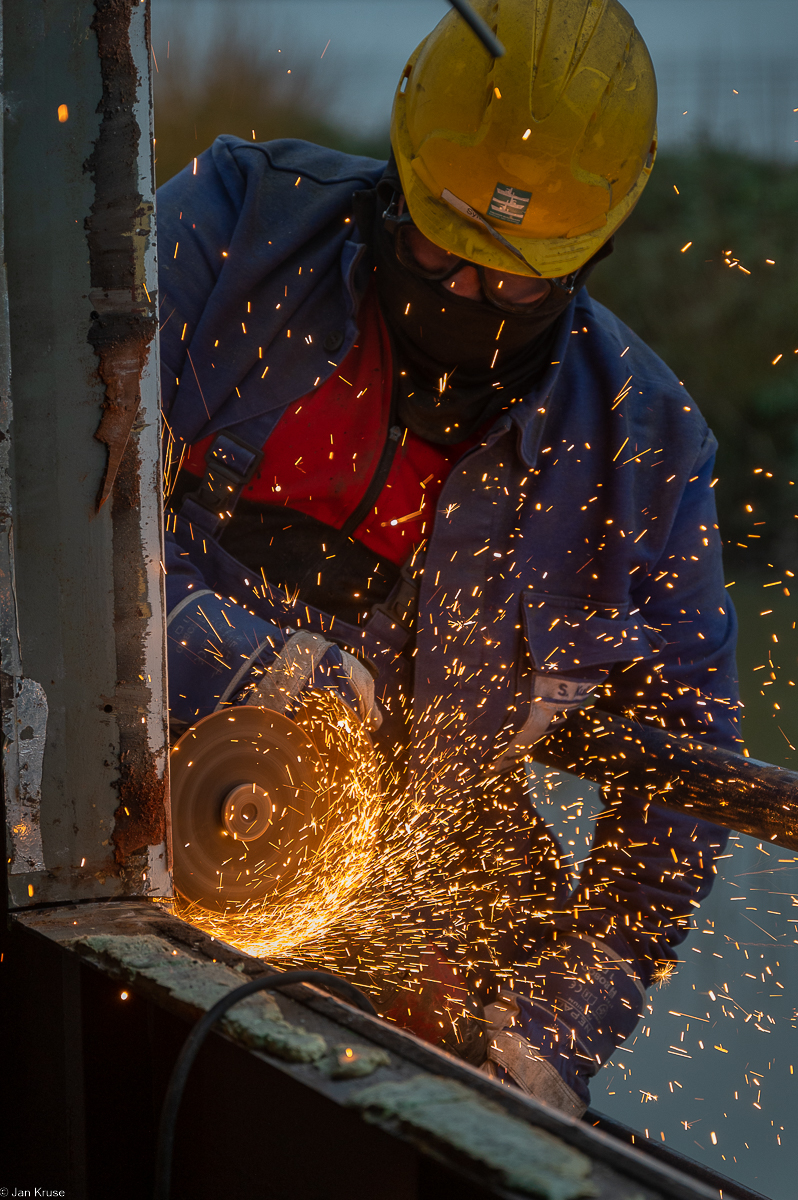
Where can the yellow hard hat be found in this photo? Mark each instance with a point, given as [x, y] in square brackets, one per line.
[527, 163]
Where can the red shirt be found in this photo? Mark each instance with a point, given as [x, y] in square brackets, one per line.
[325, 448]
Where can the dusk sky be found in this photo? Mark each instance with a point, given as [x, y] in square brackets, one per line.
[703, 50]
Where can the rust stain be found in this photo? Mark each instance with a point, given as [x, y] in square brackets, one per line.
[123, 326]
[124, 317]
[121, 364]
[140, 819]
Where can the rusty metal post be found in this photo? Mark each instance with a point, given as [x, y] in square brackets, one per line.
[81, 580]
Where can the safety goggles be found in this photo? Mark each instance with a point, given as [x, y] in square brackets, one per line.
[504, 290]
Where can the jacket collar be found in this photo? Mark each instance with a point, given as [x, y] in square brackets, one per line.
[531, 413]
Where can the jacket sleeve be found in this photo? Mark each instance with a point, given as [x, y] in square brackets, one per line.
[221, 653]
[216, 648]
[227, 225]
[650, 866]
[197, 216]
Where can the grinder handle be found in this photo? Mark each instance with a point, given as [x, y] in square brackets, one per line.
[679, 771]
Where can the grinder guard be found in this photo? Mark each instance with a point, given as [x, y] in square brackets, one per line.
[252, 792]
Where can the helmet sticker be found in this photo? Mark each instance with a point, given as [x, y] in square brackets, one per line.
[509, 204]
[472, 214]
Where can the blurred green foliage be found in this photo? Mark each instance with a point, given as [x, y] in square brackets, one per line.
[767, 662]
[718, 327]
[243, 86]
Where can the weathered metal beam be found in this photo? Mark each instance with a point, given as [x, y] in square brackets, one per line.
[81, 609]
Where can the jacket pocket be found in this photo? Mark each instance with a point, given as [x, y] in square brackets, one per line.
[565, 633]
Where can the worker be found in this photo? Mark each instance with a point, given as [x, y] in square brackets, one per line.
[409, 458]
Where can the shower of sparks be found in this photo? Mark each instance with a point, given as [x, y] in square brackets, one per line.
[328, 884]
[748, 990]
[749, 994]
[388, 850]
[400, 863]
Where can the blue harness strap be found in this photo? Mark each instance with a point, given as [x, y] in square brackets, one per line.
[230, 463]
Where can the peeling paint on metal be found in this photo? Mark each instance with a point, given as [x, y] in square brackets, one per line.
[24, 732]
[121, 364]
[196, 984]
[10, 662]
[24, 836]
[121, 238]
[83, 588]
[124, 319]
[158, 874]
[140, 819]
[441, 1112]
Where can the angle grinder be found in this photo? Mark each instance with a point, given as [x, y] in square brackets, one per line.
[253, 797]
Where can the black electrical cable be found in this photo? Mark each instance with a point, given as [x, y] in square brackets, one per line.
[192, 1044]
[483, 31]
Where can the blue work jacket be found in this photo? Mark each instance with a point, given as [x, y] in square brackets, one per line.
[580, 535]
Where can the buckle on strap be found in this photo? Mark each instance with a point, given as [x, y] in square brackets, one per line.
[401, 606]
[230, 464]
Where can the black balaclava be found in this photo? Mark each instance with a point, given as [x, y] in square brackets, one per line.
[454, 380]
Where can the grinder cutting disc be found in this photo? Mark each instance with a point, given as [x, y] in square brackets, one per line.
[246, 789]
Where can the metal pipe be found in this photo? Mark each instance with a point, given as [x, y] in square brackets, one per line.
[680, 772]
[483, 31]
